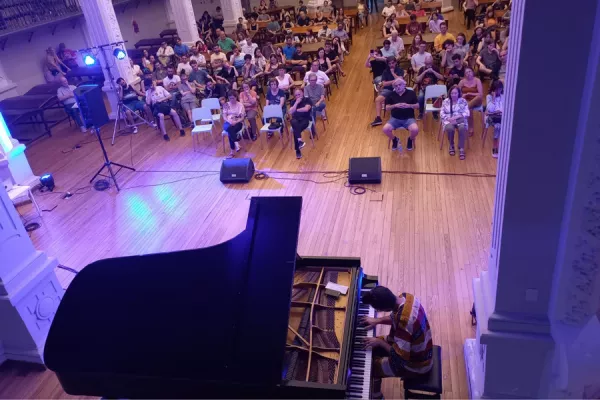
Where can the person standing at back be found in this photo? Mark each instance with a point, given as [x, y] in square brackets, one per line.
[407, 351]
[470, 6]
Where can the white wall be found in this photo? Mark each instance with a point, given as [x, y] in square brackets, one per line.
[151, 17]
[22, 60]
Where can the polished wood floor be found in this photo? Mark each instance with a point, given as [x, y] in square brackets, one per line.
[424, 230]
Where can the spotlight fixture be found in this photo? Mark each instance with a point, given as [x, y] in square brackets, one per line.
[89, 60]
[47, 181]
[119, 53]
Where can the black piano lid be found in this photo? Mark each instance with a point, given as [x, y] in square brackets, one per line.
[218, 314]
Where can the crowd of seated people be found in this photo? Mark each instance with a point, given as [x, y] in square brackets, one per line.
[460, 64]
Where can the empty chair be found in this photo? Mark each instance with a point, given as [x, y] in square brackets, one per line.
[214, 106]
[270, 112]
[203, 122]
[432, 92]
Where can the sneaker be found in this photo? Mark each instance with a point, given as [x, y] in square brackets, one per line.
[152, 124]
[181, 132]
[298, 154]
[495, 153]
[409, 144]
[237, 147]
[301, 144]
[135, 129]
[377, 121]
[166, 137]
[395, 142]
[420, 117]
[83, 129]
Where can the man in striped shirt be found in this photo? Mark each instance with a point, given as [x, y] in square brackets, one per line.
[407, 350]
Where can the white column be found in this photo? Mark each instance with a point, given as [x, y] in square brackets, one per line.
[185, 21]
[7, 87]
[514, 351]
[18, 171]
[103, 28]
[29, 290]
[232, 10]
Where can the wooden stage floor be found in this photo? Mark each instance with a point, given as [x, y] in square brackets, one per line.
[424, 230]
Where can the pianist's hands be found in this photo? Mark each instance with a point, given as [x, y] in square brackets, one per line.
[368, 322]
[372, 342]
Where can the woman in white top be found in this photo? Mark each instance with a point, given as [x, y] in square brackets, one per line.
[454, 113]
[233, 114]
[160, 100]
[284, 80]
[259, 60]
[495, 107]
[146, 62]
[434, 23]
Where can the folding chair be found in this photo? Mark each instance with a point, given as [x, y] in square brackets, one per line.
[205, 117]
[269, 112]
[213, 105]
[432, 92]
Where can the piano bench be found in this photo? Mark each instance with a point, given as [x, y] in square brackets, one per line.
[431, 383]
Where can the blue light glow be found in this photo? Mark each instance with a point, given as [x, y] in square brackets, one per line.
[119, 53]
[45, 176]
[89, 60]
[5, 141]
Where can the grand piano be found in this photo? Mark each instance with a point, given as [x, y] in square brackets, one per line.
[247, 318]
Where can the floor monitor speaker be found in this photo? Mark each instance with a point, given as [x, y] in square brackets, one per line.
[237, 170]
[365, 170]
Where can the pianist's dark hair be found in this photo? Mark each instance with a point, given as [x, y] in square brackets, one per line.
[381, 298]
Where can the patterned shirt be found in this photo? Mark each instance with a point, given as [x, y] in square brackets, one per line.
[412, 346]
[459, 109]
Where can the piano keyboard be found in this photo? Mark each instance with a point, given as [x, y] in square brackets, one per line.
[359, 383]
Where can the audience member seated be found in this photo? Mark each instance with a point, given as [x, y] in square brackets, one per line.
[276, 96]
[457, 72]
[171, 83]
[218, 18]
[237, 59]
[137, 71]
[164, 53]
[401, 103]
[253, 25]
[414, 47]
[494, 110]
[418, 59]
[227, 76]
[241, 26]
[301, 115]
[54, 64]
[301, 7]
[212, 90]
[396, 43]
[410, 6]
[389, 75]
[199, 58]
[146, 63]
[435, 23]
[273, 4]
[200, 46]
[303, 19]
[427, 75]
[273, 27]
[326, 9]
[198, 77]
[67, 56]
[339, 48]
[159, 73]
[249, 99]
[268, 49]
[188, 101]
[377, 63]
[322, 78]
[418, 11]
[447, 53]
[180, 48]
[298, 62]
[225, 43]
[320, 19]
[241, 39]
[288, 49]
[341, 34]
[250, 72]
[160, 100]
[472, 92]
[131, 100]
[273, 65]
[66, 96]
[324, 33]
[263, 17]
[234, 114]
[455, 113]
[334, 56]
[462, 47]
[316, 93]
[387, 50]
[388, 10]
[442, 36]
[184, 65]
[284, 80]
[310, 37]
[401, 12]
[259, 60]
[249, 47]
[476, 39]
[387, 28]
[489, 61]
[413, 27]
[324, 62]
[217, 58]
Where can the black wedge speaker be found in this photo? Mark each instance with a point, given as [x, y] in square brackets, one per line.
[237, 170]
[365, 170]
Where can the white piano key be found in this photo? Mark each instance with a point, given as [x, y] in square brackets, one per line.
[361, 360]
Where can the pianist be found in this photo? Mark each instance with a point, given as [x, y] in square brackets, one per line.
[407, 350]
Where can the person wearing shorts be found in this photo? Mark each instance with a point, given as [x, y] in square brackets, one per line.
[131, 100]
[160, 100]
[407, 351]
[188, 97]
[389, 75]
[402, 104]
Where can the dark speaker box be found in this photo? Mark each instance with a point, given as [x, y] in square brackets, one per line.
[237, 170]
[91, 104]
[365, 170]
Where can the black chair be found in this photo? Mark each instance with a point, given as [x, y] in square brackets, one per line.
[428, 386]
